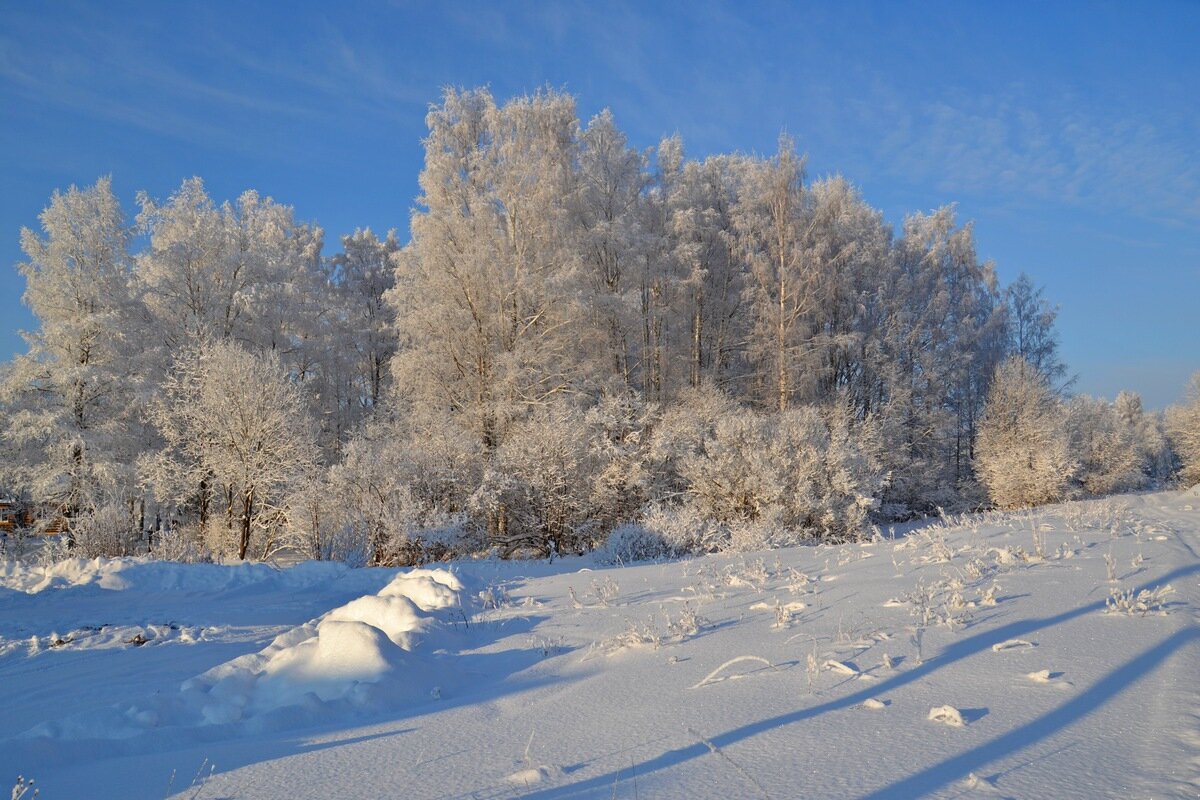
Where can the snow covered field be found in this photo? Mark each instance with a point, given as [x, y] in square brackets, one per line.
[981, 657]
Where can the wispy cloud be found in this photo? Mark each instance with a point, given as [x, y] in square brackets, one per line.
[1045, 149]
[206, 86]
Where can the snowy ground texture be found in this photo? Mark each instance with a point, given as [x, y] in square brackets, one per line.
[1034, 655]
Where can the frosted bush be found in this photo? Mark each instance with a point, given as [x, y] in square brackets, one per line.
[631, 542]
[106, 532]
[764, 533]
[809, 470]
[399, 496]
[183, 544]
[1023, 455]
[680, 433]
[1183, 430]
[1110, 449]
[535, 496]
[1131, 602]
[616, 429]
[436, 538]
[685, 529]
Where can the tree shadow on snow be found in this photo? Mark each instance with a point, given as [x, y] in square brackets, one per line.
[956, 767]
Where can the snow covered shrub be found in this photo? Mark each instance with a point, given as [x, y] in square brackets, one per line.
[1131, 602]
[685, 529]
[1022, 453]
[433, 539]
[536, 494]
[616, 435]
[664, 532]
[734, 477]
[808, 470]
[764, 533]
[184, 544]
[400, 494]
[633, 542]
[1105, 447]
[1183, 430]
[401, 484]
[678, 434]
[107, 532]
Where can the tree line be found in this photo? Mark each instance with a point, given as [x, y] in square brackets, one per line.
[582, 345]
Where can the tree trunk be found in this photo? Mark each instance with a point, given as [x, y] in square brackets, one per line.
[781, 347]
[247, 520]
[203, 506]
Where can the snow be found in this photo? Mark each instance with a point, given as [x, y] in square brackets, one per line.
[871, 671]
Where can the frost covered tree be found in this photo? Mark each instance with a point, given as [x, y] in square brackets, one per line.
[243, 271]
[773, 219]
[1023, 454]
[605, 234]
[851, 249]
[940, 343]
[237, 439]
[365, 273]
[1031, 328]
[700, 203]
[585, 314]
[233, 271]
[485, 298]
[1106, 445]
[1183, 429]
[1149, 440]
[72, 400]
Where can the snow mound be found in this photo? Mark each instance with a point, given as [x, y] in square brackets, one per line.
[362, 642]
[429, 589]
[361, 655]
[396, 616]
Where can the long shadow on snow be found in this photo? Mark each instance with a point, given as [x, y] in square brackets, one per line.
[1064, 715]
[1112, 684]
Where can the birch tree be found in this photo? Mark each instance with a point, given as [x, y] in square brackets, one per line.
[485, 298]
[772, 219]
[236, 427]
[72, 399]
[608, 240]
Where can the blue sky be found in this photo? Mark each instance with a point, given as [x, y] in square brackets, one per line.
[1070, 132]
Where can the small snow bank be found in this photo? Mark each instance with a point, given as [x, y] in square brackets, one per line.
[361, 655]
[148, 575]
[368, 641]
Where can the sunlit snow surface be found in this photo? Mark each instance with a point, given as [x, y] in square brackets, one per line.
[977, 657]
